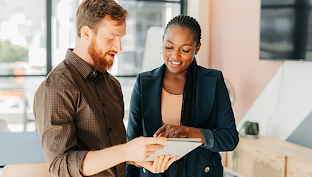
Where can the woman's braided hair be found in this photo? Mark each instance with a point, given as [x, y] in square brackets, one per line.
[189, 92]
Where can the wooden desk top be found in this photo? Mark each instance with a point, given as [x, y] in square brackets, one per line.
[289, 149]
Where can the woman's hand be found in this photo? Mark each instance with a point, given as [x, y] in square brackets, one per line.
[160, 164]
[172, 131]
[176, 131]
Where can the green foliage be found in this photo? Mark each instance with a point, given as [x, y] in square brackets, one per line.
[10, 53]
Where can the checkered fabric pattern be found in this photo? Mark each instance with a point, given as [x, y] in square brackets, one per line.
[78, 110]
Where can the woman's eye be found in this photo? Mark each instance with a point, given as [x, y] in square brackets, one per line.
[185, 51]
[110, 39]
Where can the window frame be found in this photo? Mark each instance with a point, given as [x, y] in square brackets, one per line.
[183, 5]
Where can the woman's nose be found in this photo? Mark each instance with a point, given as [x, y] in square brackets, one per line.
[175, 54]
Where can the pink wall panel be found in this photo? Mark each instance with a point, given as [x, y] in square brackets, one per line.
[234, 49]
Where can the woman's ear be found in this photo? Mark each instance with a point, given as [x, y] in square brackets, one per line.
[197, 48]
[86, 33]
[162, 39]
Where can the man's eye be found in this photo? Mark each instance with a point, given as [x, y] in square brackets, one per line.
[166, 47]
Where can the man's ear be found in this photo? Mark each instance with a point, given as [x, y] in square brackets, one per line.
[86, 33]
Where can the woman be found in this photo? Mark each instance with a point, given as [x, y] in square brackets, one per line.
[183, 100]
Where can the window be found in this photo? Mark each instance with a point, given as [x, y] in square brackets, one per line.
[22, 52]
[31, 45]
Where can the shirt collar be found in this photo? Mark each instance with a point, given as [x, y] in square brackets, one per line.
[81, 66]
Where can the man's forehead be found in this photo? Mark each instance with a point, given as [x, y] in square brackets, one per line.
[114, 27]
[108, 20]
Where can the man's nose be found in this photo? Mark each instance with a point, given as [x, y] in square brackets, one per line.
[117, 46]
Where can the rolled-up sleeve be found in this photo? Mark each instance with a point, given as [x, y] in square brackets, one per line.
[208, 138]
[54, 111]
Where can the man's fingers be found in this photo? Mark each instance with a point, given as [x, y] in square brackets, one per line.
[171, 161]
[154, 147]
[155, 140]
[165, 162]
[160, 163]
[155, 164]
[149, 153]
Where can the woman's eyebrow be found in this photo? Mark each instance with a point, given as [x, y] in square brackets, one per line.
[181, 45]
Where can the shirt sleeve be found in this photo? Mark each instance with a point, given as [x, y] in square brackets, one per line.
[54, 111]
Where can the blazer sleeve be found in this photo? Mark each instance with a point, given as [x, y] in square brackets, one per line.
[134, 128]
[224, 136]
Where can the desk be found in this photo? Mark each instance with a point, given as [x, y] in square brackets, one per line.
[20, 148]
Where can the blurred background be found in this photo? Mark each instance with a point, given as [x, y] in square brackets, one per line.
[31, 46]
[262, 47]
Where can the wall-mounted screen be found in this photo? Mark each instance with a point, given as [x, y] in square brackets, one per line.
[286, 30]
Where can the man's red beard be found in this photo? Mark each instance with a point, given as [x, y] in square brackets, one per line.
[101, 63]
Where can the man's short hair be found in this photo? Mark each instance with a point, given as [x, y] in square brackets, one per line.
[91, 12]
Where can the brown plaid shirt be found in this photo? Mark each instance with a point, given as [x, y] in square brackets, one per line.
[78, 110]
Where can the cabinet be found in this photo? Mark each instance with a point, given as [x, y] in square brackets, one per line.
[268, 157]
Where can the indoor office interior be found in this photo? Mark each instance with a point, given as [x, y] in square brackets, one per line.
[262, 47]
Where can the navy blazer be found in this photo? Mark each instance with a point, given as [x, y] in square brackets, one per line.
[213, 116]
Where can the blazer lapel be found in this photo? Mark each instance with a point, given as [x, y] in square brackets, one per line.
[151, 100]
[205, 91]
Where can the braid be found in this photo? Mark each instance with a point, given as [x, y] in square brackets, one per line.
[186, 22]
[189, 96]
[188, 104]
[189, 92]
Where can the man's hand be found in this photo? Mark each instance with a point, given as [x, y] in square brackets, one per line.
[172, 131]
[141, 148]
[160, 164]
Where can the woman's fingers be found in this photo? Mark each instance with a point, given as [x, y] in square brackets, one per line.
[161, 130]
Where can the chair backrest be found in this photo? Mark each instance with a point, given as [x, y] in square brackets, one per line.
[26, 170]
[3, 126]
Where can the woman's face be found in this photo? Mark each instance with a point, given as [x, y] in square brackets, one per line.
[179, 49]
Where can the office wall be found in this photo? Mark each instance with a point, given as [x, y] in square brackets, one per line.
[200, 10]
[234, 49]
[284, 107]
[276, 94]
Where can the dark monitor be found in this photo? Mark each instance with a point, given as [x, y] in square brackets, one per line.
[286, 30]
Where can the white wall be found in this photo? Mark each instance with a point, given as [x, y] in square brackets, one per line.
[285, 102]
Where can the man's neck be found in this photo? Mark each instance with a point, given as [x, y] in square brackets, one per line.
[81, 50]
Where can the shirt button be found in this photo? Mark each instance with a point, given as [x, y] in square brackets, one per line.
[144, 170]
[103, 104]
[207, 169]
[109, 129]
[93, 72]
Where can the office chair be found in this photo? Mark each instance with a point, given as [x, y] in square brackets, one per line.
[3, 126]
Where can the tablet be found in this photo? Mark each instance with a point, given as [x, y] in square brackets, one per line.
[176, 147]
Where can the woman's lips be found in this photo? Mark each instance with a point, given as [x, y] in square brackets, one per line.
[175, 63]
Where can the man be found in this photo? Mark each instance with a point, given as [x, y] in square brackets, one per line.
[79, 107]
